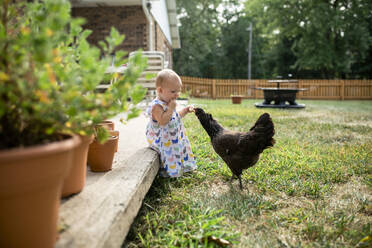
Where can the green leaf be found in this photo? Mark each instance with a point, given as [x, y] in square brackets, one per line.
[138, 94]
[102, 134]
[134, 112]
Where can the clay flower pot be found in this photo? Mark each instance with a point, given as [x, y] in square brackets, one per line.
[115, 133]
[110, 125]
[101, 156]
[30, 189]
[236, 99]
[75, 180]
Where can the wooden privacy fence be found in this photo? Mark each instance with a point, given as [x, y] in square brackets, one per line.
[316, 89]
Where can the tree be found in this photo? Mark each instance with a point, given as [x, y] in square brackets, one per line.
[198, 33]
[328, 36]
[303, 38]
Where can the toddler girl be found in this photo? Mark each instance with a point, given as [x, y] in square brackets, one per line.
[165, 131]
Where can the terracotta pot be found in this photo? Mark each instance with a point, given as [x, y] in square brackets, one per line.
[236, 99]
[101, 156]
[75, 180]
[110, 125]
[30, 190]
[115, 133]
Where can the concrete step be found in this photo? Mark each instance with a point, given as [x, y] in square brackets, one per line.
[101, 215]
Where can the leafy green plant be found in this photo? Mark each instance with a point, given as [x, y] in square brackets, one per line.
[49, 74]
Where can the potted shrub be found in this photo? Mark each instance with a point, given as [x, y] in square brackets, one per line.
[48, 77]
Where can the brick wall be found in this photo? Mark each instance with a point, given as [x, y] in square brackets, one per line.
[161, 44]
[128, 20]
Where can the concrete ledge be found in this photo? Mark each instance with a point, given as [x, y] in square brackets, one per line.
[101, 215]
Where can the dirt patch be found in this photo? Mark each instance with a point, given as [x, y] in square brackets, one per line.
[353, 196]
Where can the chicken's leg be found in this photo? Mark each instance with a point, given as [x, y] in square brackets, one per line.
[240, 182]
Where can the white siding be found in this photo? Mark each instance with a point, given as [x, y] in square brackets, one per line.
[160, 13]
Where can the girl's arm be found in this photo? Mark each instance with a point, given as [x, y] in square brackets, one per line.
[186, 110]
[161, 116]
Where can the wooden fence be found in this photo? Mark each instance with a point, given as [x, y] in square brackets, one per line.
[315, 89]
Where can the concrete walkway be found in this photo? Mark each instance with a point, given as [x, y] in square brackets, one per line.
[101, 215]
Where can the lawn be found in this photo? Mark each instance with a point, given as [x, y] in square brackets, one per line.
[312, 189]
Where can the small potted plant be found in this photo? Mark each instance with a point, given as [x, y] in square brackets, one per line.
[236, 99]
[48, 77]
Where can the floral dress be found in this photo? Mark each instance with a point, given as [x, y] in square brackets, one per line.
[170, 142]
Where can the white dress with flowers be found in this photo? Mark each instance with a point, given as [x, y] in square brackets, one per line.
[170, 142]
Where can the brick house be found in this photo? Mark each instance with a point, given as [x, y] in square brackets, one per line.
[147, 24]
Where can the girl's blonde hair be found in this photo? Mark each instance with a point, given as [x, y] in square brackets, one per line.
[166, 75]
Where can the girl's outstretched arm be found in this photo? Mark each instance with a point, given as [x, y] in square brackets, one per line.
[186, 110]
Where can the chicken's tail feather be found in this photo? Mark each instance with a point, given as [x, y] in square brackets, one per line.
[264, 130]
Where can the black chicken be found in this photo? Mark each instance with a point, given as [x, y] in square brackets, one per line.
[239, 150]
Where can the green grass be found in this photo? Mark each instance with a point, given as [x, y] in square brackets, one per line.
[312, 189]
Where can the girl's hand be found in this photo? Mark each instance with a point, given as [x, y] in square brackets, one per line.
[186, 110]
[172, 104]
[190, 109]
